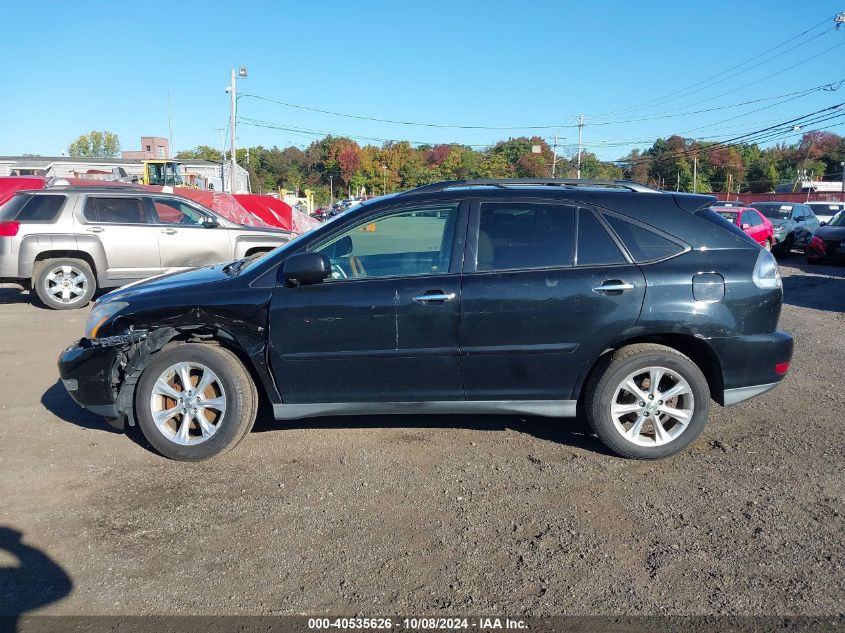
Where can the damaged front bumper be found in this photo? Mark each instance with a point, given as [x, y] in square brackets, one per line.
[92, 371]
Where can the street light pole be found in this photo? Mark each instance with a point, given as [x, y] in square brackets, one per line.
[384, 180]
[843, 182]
[580, 128]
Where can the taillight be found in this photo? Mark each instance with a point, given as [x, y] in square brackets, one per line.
[782, 368]
[766, 274]
[9, 228]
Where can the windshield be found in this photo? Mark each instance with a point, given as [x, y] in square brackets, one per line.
[838, 219]
[774, 210]
[728, 215]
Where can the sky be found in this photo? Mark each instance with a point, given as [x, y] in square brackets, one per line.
[635, 70]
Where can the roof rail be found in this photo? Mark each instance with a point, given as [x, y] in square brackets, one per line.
[630, 185]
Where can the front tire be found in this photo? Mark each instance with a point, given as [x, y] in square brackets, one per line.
[647, 401]
[64, 283]
[195, 401]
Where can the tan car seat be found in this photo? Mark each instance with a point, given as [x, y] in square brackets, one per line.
[485, 252]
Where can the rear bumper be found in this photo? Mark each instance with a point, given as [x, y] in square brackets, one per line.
[749, 363]
[89, 375]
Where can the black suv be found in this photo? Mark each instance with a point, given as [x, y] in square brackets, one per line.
[534, 297]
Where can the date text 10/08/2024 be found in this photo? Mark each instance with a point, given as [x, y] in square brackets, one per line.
[417, 623]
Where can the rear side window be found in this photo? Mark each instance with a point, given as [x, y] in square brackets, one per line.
[516, 236]
[751, 218]
[643, 245]
[711, 216]
[595, 246]
[29, 208]
[115, 211]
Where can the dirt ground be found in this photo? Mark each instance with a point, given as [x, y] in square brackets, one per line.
[427, 515]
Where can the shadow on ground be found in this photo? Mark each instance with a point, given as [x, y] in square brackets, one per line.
[573, 432]
[57, 401]
[33, 580]
[820, 288]
[13, 294]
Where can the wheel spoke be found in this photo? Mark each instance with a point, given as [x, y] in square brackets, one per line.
[182, 433]
[160, 417]
[681, 415]
[206, 427]
[65, 293]
[631, 387]
[637, 427]
[163, 389]
[219, 404]
[67, 270]
[622, 409]
[660, 434]
[206, 379]
[654, 377]
[55, 290]
[678, 389]
[53, 277]
[184, 370]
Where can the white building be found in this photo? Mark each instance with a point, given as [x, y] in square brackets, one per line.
[195, 172]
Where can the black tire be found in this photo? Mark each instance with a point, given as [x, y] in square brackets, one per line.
[784, 249]
[612, 371]
[241, 401]
[46, 282]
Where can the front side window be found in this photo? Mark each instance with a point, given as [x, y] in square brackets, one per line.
[518, 236]
[404, 243]
[176, 212]
[644, 245]
[29, 208]
[115, 210]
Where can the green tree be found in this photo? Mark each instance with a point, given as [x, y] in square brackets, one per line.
[201, 152]
[95, 145]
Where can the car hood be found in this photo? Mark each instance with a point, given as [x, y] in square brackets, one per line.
[830, 233]
[780, 222]
[169, 282]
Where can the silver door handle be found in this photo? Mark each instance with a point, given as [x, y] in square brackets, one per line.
[613, 286]
[169, 231]
[95, 229]
[434, 296]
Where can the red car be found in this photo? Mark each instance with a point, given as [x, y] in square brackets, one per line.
[752, 222]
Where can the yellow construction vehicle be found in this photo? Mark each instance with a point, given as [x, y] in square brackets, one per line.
[165, 173]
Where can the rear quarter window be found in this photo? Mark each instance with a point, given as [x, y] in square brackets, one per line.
[714, 218]
[30, 208]
[643, 244]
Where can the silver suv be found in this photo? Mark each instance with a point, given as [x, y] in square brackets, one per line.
[69, 241]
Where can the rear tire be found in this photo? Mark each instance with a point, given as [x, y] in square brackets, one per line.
[629, 419]
[219, 403]
[64, 283]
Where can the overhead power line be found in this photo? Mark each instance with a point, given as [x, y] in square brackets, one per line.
[662, 99]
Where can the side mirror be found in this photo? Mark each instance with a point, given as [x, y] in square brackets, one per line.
[746, 226]
[303, 269]
[822, 223]
[209, 222]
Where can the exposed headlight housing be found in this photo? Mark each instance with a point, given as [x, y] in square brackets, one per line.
[766, 272]
[777, 228]
[100, 314]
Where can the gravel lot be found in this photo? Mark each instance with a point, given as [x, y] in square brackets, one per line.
[427, 515]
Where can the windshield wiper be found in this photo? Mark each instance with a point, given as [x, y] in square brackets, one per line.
[234, 267]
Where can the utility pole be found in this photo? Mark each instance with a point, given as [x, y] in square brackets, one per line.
[843, 182]
[694, 173]
[580, 128]
[331, 191]
[222, 133]
[169, 126]
[730, 180]
[554, 157]
[242, 73]
[232, 126]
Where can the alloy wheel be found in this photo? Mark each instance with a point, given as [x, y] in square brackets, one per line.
[188, 403]
[652, 406]
[66, 284]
